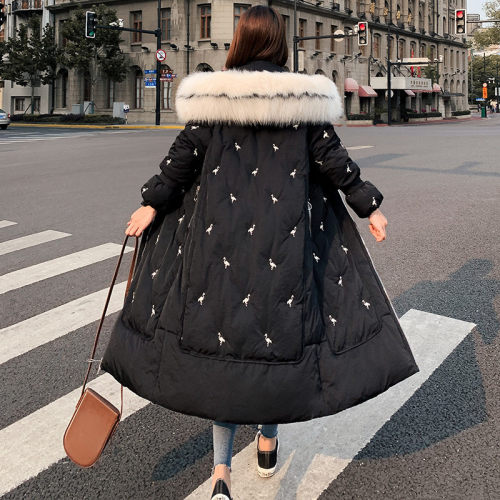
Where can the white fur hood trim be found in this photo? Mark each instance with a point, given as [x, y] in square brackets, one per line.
[246, 97]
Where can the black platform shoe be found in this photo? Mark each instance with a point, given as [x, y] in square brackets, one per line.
[266, 460]
[221, 491]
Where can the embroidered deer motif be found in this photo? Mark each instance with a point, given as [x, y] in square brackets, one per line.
[226, 262]
[319, 162]
[195, 152]
[325, 134]
[180, 219]
[254, 172]
[153, 312]
[201, 298]
[340, 281]
[374, 202]
[251, 229]
[246, 300]
[321, 226]
[268, 340]
[316, 258]
[272, 265]
[275, 200]
[216, 169]
[233, 198]
[296, 126]
[154, 273]
[221, 338]
[348, 169]
[293, 231]
[237, 146]
[289, 301]
[275, 147]
[144, 189]
[293, 173]
[194, 127]
[208, 230]
[344, 248]
[366, 304]
[179, 250]
[332, 319]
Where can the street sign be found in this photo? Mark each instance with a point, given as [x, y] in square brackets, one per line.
[480, 99]
[150, 72]
[150, 83]
[161, 55]
[416, 60]
[338, 33]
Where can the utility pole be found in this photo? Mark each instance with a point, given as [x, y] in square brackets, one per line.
[158, 67]
[496, 90]
[295, 42]
[389, 104]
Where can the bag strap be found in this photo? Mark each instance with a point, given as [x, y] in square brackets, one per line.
[96, 340]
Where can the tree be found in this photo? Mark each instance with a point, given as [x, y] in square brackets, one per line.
[30, 58]
[484, 69]
[489, 36]
[89, 55]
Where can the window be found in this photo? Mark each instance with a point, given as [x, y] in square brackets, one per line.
[391, 48]
[166, 95]
[444, 26]
[86, 86]
[451, 59]
[19, 103]
[376, 45]
[333, 29]
[205, 18]
[36, 104]
[138, 89]
[401, 48]
[422, 50]
[166, 24]
[348, 41]
[319, 29]
[445, 58]
[62, 88]
[302, 31]
[238, 10]
[433, 53]
[62, 39]
[287, 26]
[136, 24]
[413, 49]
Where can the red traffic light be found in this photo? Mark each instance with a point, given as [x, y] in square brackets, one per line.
[362, 26]
[460, 14]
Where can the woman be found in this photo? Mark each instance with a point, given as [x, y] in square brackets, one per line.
[254, 300]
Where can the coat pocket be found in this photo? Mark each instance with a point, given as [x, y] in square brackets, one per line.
[354, 319]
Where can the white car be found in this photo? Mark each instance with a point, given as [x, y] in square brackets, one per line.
[4, 119]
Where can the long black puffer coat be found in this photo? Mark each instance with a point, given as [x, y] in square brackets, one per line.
[254, 299]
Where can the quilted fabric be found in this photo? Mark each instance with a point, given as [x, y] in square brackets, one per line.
[254, 299]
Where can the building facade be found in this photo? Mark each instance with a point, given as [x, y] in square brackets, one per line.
[196, 36]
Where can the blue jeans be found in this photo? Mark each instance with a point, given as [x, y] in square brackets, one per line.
[224, 438]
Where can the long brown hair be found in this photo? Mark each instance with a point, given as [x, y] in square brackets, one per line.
[260, 35]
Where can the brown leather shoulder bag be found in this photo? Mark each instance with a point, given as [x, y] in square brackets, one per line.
[95, 419]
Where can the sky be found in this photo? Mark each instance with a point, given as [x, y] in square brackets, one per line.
[475, 7]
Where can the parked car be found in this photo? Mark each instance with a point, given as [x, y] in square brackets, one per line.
[4, 119]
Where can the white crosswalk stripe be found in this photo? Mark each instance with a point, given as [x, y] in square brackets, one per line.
[7, 223]
[20, 137]
[55, 267]
[50, 325]
[30, 241]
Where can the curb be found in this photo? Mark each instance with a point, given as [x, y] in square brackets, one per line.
[99, 127]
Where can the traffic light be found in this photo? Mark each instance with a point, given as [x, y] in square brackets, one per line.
[90, 24]
[460, 22]
[2, 14]
[362, 33]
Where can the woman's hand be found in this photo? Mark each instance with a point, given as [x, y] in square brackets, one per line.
[377, 224]
[140, 220]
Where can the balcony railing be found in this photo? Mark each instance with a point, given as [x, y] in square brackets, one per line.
[26, 5]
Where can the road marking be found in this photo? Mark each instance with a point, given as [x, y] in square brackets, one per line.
[6, 223]
[314, 453]
[33, 332]
[34, 443]
[30, 241]
[359, 147]
[61, 265]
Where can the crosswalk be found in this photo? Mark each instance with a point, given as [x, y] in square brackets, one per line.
[12, 136]
[310, 458]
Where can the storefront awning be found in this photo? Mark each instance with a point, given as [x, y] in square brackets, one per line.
[366, 91]
[436, 87]
[350, 85]
[410, 93]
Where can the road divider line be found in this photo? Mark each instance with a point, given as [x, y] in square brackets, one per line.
[359, 147]
[34, 443]
[314, 453]
[30, 241]
[7, 223]
[33, 332]
[38, 272]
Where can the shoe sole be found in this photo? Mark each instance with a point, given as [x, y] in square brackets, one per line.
[268, 472]
[220, 496]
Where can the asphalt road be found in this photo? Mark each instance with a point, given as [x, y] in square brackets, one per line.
[68, 190]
